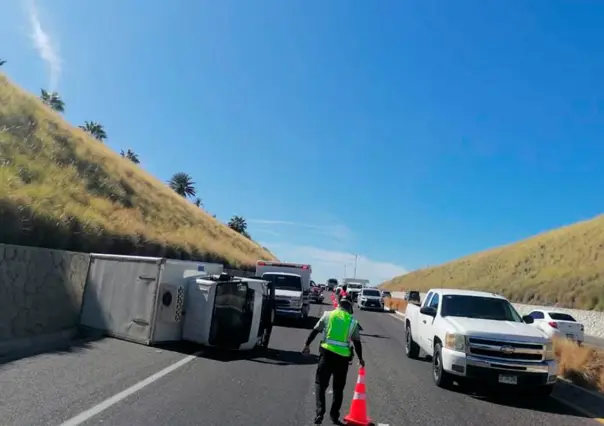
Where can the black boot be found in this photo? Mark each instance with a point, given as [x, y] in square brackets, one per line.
[318, 420]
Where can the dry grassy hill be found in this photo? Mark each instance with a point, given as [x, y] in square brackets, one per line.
[564, 266]
[60, 188]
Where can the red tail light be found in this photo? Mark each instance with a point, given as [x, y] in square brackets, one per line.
[553, 324]
[261, 263]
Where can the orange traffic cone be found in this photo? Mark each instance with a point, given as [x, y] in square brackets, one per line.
[358, 409]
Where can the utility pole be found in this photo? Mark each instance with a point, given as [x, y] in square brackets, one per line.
[355, 265]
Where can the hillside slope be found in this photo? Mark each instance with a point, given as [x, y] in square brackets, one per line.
[564, 266]
[60, 188]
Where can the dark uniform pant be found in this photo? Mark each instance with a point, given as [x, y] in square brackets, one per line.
[330, 364]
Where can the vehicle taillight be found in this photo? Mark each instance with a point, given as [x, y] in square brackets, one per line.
[553, 324]
[261, 263]
[304, 266]
[582, 327]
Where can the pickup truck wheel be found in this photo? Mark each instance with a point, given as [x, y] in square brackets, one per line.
[442, 379]
[411, 348]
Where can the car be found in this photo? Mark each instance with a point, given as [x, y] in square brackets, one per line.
[370, 298]
[475, 336]
[316, 293]
[558, 324]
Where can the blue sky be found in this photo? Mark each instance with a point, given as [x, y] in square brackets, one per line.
[409, 132]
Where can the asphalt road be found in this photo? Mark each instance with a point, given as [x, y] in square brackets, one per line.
[277, 389]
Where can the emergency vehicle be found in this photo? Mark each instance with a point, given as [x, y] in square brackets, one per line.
[292, 287]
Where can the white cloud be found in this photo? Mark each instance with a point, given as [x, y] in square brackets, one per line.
[333, 264]
[46, 47]
[336, 231]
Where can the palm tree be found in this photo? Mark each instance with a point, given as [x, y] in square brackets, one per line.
[53, 100]
[2, 62]
[130, 155]
[183, 184]
[198, 202]
[238, 224]
[95, 130]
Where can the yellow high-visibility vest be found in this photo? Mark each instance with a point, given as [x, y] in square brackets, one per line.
[338, 332]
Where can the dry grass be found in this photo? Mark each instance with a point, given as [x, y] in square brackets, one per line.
[564, 266]
[582, 365]
[395, 304]
[60, 188]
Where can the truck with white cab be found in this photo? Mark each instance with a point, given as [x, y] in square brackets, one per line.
[292, 287]
[354, 286]
[150, 300]
[480, 337]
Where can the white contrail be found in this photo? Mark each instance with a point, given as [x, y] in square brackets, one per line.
[44, 45]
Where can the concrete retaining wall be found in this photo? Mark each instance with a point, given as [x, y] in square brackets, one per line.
[592, 320]
[40, 291]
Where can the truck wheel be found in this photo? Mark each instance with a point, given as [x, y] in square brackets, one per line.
[442, 379]
[411, 348]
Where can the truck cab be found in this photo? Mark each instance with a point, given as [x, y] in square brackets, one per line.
[354, 287]
[292, 287]
[332, 283]
[479, 336]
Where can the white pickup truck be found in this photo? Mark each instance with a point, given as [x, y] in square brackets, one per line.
[479, 336]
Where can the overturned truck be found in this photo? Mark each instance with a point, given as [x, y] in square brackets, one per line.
[152, 300]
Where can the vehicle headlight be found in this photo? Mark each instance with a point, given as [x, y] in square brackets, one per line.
[455, 342]
[550, 354]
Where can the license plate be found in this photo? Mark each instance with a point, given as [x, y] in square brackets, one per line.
[508, 380]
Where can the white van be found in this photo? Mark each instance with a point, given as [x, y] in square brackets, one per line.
[292, 287]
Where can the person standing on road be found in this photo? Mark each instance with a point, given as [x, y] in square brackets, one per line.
[342, 293]
[339, 328]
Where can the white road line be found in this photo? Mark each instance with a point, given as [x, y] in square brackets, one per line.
[99, 408]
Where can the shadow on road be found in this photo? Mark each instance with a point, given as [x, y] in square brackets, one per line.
[263, 356]
[526, 402]
[80, 342]
[376, 336]
[518, 399]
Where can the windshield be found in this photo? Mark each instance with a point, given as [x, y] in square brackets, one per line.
[561, 316]
[488, 308]
[385, 293]
[371, 293]
[354, 286]
[284, 282]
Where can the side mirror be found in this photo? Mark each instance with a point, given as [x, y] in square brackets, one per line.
[528, 319]
[427, 310]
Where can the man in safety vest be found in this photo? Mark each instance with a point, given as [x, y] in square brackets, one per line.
[339, 328]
